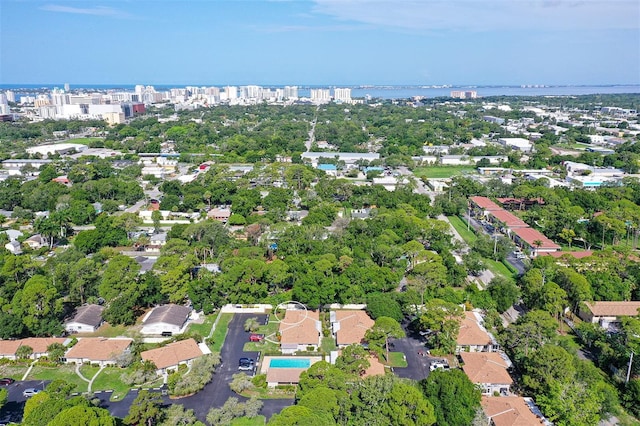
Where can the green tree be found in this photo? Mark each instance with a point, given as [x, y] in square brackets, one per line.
[442, 320]
[504, 292]
[354, 359]
[383, 329]
[453, 397]
[383, 305]
[83, 416]
[146, 409]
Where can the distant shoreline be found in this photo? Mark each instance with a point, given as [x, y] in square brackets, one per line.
[378, 91]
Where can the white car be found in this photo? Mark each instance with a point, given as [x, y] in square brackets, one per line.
[30, 392]
[439, 366]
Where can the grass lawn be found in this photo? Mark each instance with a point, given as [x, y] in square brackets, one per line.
[269, 393]
[498, 268]
[246, 421]
[217, 339]
[397, 359]
[15, 371]
[328, 344]
[111, 379]
[461, 226]
[66, 373]
[204, 328]
[88, 371]
[84, 140]
[107, 330]
[269, 332]
[440, 172]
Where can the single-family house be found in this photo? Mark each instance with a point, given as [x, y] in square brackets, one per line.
[158, 240]
[13, 247]
[8, 348]
[488, 370]
[166, 320]
[349, 326]
[98, 350]
[219, 214]
[35, 242]
[608, 314]
[511, 411]
[473, 337]
[38, 345]
[300, 330]
[87, 319]
[169, 357]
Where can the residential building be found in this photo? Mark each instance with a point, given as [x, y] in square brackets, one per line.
[166, 320]
[473, 337]
[300, 330]
[609, 314]
[533, 240]
[320, 96]
[219, 214]
[35, 242]
[13, 247]
[488, 370]
[169, 357]
[511, 411]
[342, 95]
[98, 350]
[38, 345]
[87, 319]
[350, 326]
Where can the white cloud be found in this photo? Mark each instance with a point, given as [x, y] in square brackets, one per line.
[477, 15]
[95, 11]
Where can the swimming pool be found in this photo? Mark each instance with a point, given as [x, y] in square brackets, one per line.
[289, 363]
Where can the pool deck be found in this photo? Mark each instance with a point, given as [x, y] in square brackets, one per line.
[264, 367]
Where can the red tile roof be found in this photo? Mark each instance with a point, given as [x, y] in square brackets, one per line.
[485, 367]
[98, 348]
[353, 326]
[530, 235]
[509, 411]
[509, 219]
[299, 327]
[613, 309]
[173, 354]
[470, 333]
[485, 203]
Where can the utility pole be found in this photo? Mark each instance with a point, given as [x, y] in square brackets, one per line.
[629, 368]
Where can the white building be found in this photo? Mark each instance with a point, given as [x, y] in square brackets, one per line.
[320, 96]
[166, 320]
[342, 95]
[517, 143]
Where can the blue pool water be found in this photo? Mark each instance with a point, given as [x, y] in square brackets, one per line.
[289, 363]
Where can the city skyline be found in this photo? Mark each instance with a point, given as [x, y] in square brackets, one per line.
[321, 42]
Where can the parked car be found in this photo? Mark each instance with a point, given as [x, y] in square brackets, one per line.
[6, 381]
[256, 337]
[30, 392]
[245, 364]
[439, 365]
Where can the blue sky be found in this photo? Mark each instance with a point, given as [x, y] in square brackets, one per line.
[274, 42]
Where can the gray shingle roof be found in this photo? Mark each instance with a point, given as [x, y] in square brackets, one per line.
[169, 314]
[89, 314]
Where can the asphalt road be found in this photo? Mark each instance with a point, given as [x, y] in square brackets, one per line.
[214, 394]
[12, 411]
[417, 365]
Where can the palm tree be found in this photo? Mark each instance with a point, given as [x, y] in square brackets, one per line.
[538, 244]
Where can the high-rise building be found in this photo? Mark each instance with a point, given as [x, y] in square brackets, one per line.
[66, 87]
[291, 92]
[342, 95]
[11, 96]
[320, 96]
[460, 94]
[231, 92]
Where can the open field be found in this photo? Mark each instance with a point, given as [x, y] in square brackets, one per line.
[461, 226]
[64, 372]
[440, 172]
[217, 339]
